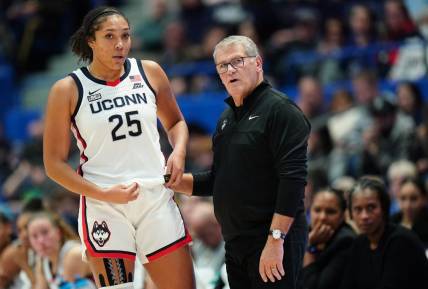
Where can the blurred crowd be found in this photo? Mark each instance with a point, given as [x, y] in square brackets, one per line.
[32, 31]
[358, 127]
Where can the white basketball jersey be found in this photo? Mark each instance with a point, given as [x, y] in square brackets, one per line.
[115, 125]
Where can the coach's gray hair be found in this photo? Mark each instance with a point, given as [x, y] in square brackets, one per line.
[248, 44]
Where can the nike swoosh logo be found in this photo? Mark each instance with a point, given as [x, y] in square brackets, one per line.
[92, 92]
[253, 116]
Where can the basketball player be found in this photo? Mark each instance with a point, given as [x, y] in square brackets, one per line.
[112, 106]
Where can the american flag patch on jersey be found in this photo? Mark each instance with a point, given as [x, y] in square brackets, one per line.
[135, 78]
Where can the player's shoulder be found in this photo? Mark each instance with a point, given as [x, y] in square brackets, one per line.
[151, 67]
[66, 84]
[64, 90]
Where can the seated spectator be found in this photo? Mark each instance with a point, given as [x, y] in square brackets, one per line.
[420, 150]
[362, 26]
[59, 250]
[362, 35]
[311, 97]
[208, 246]
[148, 34]
[398, 171]
[331, 69]
[413, 214]
[388, 139]
[384, 255]
[5, 231]
[329, 238]
[409, 101]
[17, 262]
[399, 26]
[341, 101]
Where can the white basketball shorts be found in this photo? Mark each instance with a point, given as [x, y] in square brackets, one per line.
[151, 226]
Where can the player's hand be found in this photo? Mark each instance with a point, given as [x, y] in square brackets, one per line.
[121, 194]
[175, 167]
[270, 266]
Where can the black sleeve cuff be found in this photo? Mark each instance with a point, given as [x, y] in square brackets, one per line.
[203, 184]
[290, 197]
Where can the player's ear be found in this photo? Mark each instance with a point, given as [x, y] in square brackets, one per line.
[91, 42]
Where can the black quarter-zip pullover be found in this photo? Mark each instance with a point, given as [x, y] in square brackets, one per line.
[259, 165]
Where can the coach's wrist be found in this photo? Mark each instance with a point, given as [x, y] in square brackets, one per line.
[273, 241]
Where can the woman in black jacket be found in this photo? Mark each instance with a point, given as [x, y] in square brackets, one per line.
[329, 239]
[384, 255]
[413, 214]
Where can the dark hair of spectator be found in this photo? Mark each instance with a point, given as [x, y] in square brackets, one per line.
[375, 185]
[33, 205]
[339, 194]
[416, 92]
[91, 23]
[4, 219]
[417, 183]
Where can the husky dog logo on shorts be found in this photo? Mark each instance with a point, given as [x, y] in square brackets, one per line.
[100, 233]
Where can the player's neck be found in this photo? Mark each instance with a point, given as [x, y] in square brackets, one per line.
[102, 72]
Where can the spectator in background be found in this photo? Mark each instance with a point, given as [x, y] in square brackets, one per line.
[398, 171]
[17, 262]
[34, 23]
[413, 214]
[341, 101]
[196, 18]
[317, 179]
[59, 250]
[362, 26]
[363, 33]
[28, 179]
[384, 255]
[205, 81]
[331, 69]
[346, 128]
[311, 97]
[5, 232]
[175, 49]
[389, 138]
[408, 61]
[199, 156]
[6, 157]
[293, 46]
[148, 34]
[208, 246]
[420, 150]
[409, 101]
[399, 26]
[329, 239]
[319, 147]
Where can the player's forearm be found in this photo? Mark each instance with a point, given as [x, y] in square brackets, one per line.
[178, 136]
[64, 175]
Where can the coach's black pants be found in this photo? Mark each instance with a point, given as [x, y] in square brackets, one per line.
[243, 256]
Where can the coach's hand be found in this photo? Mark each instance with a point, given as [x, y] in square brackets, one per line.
[175, 167]
[120, 194]
[270, 266]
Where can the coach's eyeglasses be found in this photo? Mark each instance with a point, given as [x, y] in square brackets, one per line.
[235, 63]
